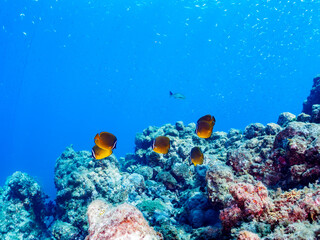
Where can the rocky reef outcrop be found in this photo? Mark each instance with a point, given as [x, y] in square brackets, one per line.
[79, 180]
[116, 223]
[313, 98]
[23, 209]
[259, 183]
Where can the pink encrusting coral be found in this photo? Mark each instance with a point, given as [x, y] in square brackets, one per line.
[249, 201]
[124, 222]
[269, 179]
[246, 235]
[290, 156]
[231, 216]
[294, 206]
[252, 157]
[253, 199]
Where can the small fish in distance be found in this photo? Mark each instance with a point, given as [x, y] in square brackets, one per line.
[177, 95]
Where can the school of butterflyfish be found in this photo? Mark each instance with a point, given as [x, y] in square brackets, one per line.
[105, 142]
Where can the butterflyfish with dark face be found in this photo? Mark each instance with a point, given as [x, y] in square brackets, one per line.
[196, 156]
[205, 126]
[161, 145]
[207, 118]
[105, 140]
[99, 153]
[177, 95]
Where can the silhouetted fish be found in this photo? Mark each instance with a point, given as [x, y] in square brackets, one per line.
[177, 95]
[196, 156]
[205, 126]
[161, 145]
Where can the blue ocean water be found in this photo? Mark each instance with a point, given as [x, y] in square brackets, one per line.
[70, 69]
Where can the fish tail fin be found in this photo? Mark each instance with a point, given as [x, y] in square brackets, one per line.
[170, 93]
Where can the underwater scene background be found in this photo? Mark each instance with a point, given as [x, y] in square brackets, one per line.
[71, 69]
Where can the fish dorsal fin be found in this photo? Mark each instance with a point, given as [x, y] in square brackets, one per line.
[207, 118]
[97, 136]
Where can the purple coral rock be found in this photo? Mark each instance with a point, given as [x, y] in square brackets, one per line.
[252, 199]
[297, 147]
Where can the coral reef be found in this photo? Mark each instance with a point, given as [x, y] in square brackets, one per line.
[260, 183]
[314, 97]
[79, 180]
[116, 223]
[23, 209]
[175, 181]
